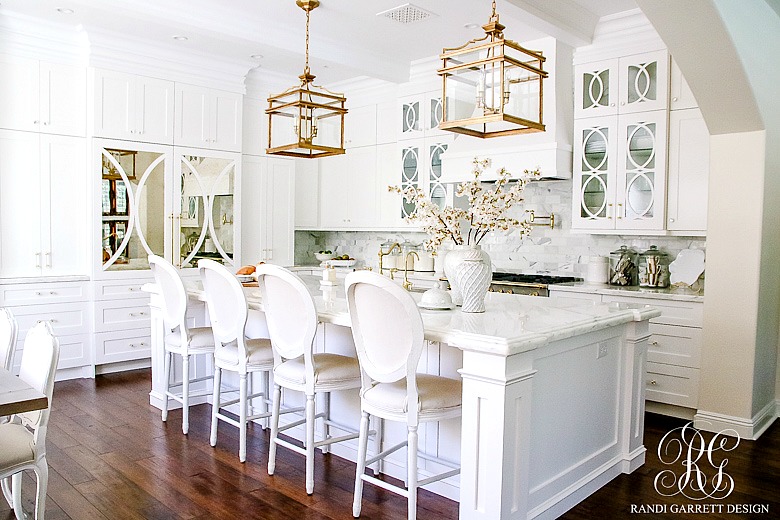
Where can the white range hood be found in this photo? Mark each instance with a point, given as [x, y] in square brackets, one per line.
[554, 161]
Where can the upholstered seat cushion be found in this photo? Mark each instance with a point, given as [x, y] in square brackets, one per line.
[435, 394]
[201, 340]
[329, 369]
[259, 354]
[16, 446]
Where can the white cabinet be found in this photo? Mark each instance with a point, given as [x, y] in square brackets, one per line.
[420, 167]
[66, 306]
[360, 127]
[420, 115]
[628, 84]
[689, 170]
[43, 217]
[269, 184]
[208, 118]
[680, 95]
[620, 175]
[43, 97]
[349, 193]
[122, 321]
[254, 128]
[133, 107]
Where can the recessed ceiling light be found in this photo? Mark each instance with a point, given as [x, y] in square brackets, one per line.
[180, 38]
[471, 25]
[257, 56]
[65, 10]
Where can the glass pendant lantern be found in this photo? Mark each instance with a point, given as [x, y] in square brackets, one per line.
[306, 121]
[492, 86]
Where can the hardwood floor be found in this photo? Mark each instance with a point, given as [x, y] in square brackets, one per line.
[111, 457]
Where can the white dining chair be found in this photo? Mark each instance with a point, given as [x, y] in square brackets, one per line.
[234, 352]
[292, 325]
[179, 338]
[8, 332]
[23, 439]
[388, 331]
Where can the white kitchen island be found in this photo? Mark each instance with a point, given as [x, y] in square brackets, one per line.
[553, 396]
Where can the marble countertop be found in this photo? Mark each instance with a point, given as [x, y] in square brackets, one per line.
[669, 293]
[511, 324]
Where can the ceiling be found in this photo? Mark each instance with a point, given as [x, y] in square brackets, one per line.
[348, 39]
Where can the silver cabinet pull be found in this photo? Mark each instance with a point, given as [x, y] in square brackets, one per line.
[653, 382]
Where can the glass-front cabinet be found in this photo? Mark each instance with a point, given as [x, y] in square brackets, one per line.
[421, 168]
[620, 172]
[636, 83]
[177, 203]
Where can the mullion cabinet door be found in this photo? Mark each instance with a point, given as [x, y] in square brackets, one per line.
[595, 172]
[596, 89]
[644, 82]
[641, 177]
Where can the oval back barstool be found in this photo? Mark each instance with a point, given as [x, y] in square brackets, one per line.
[292, 325]
[388, 331]
[178, 338]
[234, 352]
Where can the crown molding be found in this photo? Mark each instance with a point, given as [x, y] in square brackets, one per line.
[138, 57]
[621, 34]
[34, 38]
[260, 82]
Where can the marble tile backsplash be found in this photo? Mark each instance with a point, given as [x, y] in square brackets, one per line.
[556, 251]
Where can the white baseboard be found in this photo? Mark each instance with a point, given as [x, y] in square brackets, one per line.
[671, 410]
[123, 366]
[750, 429]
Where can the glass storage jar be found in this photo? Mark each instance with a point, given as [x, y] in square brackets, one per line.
[623, 267]
[654, 268]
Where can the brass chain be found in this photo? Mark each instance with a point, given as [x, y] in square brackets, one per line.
[306, 69]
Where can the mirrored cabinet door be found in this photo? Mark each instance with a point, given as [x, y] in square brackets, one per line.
[410, 175]
[436, 189]
[204, 208]
[133, 205]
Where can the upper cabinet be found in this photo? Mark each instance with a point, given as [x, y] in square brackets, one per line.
[208, 118]
[620, 180]
[680, 95]
[630, 84]
[420, 115]
[133, 107]
[42, 97]
[689, 170]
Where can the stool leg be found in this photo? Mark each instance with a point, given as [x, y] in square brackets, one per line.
[310, 413]
[264, 377]
[242, 404]
[379, 440]
[274, 429]
[185, 393]
[215, 405]
[411, 472]
[361, 465]
[167, 377]
[324, 427]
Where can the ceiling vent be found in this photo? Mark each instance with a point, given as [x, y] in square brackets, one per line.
[406, 13]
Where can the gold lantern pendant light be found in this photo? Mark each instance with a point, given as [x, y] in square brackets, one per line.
[306, 120]
[492, 86]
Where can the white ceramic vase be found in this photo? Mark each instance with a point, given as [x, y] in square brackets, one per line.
[472, 273]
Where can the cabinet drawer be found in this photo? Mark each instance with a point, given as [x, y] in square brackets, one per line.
[39, 293]
[75, 351]
[65, 318]
[687, 314]
[111, 347]
[675, 345]
[108, 290]
[671, 384]
[110, 315]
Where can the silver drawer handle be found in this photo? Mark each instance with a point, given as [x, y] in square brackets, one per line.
[653, 382]
[133, 345]
[654, 343]
[135, 314]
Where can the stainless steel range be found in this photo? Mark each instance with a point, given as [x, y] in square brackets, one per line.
[528, 284]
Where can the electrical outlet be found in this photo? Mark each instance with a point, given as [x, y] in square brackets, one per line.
[602, 350]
